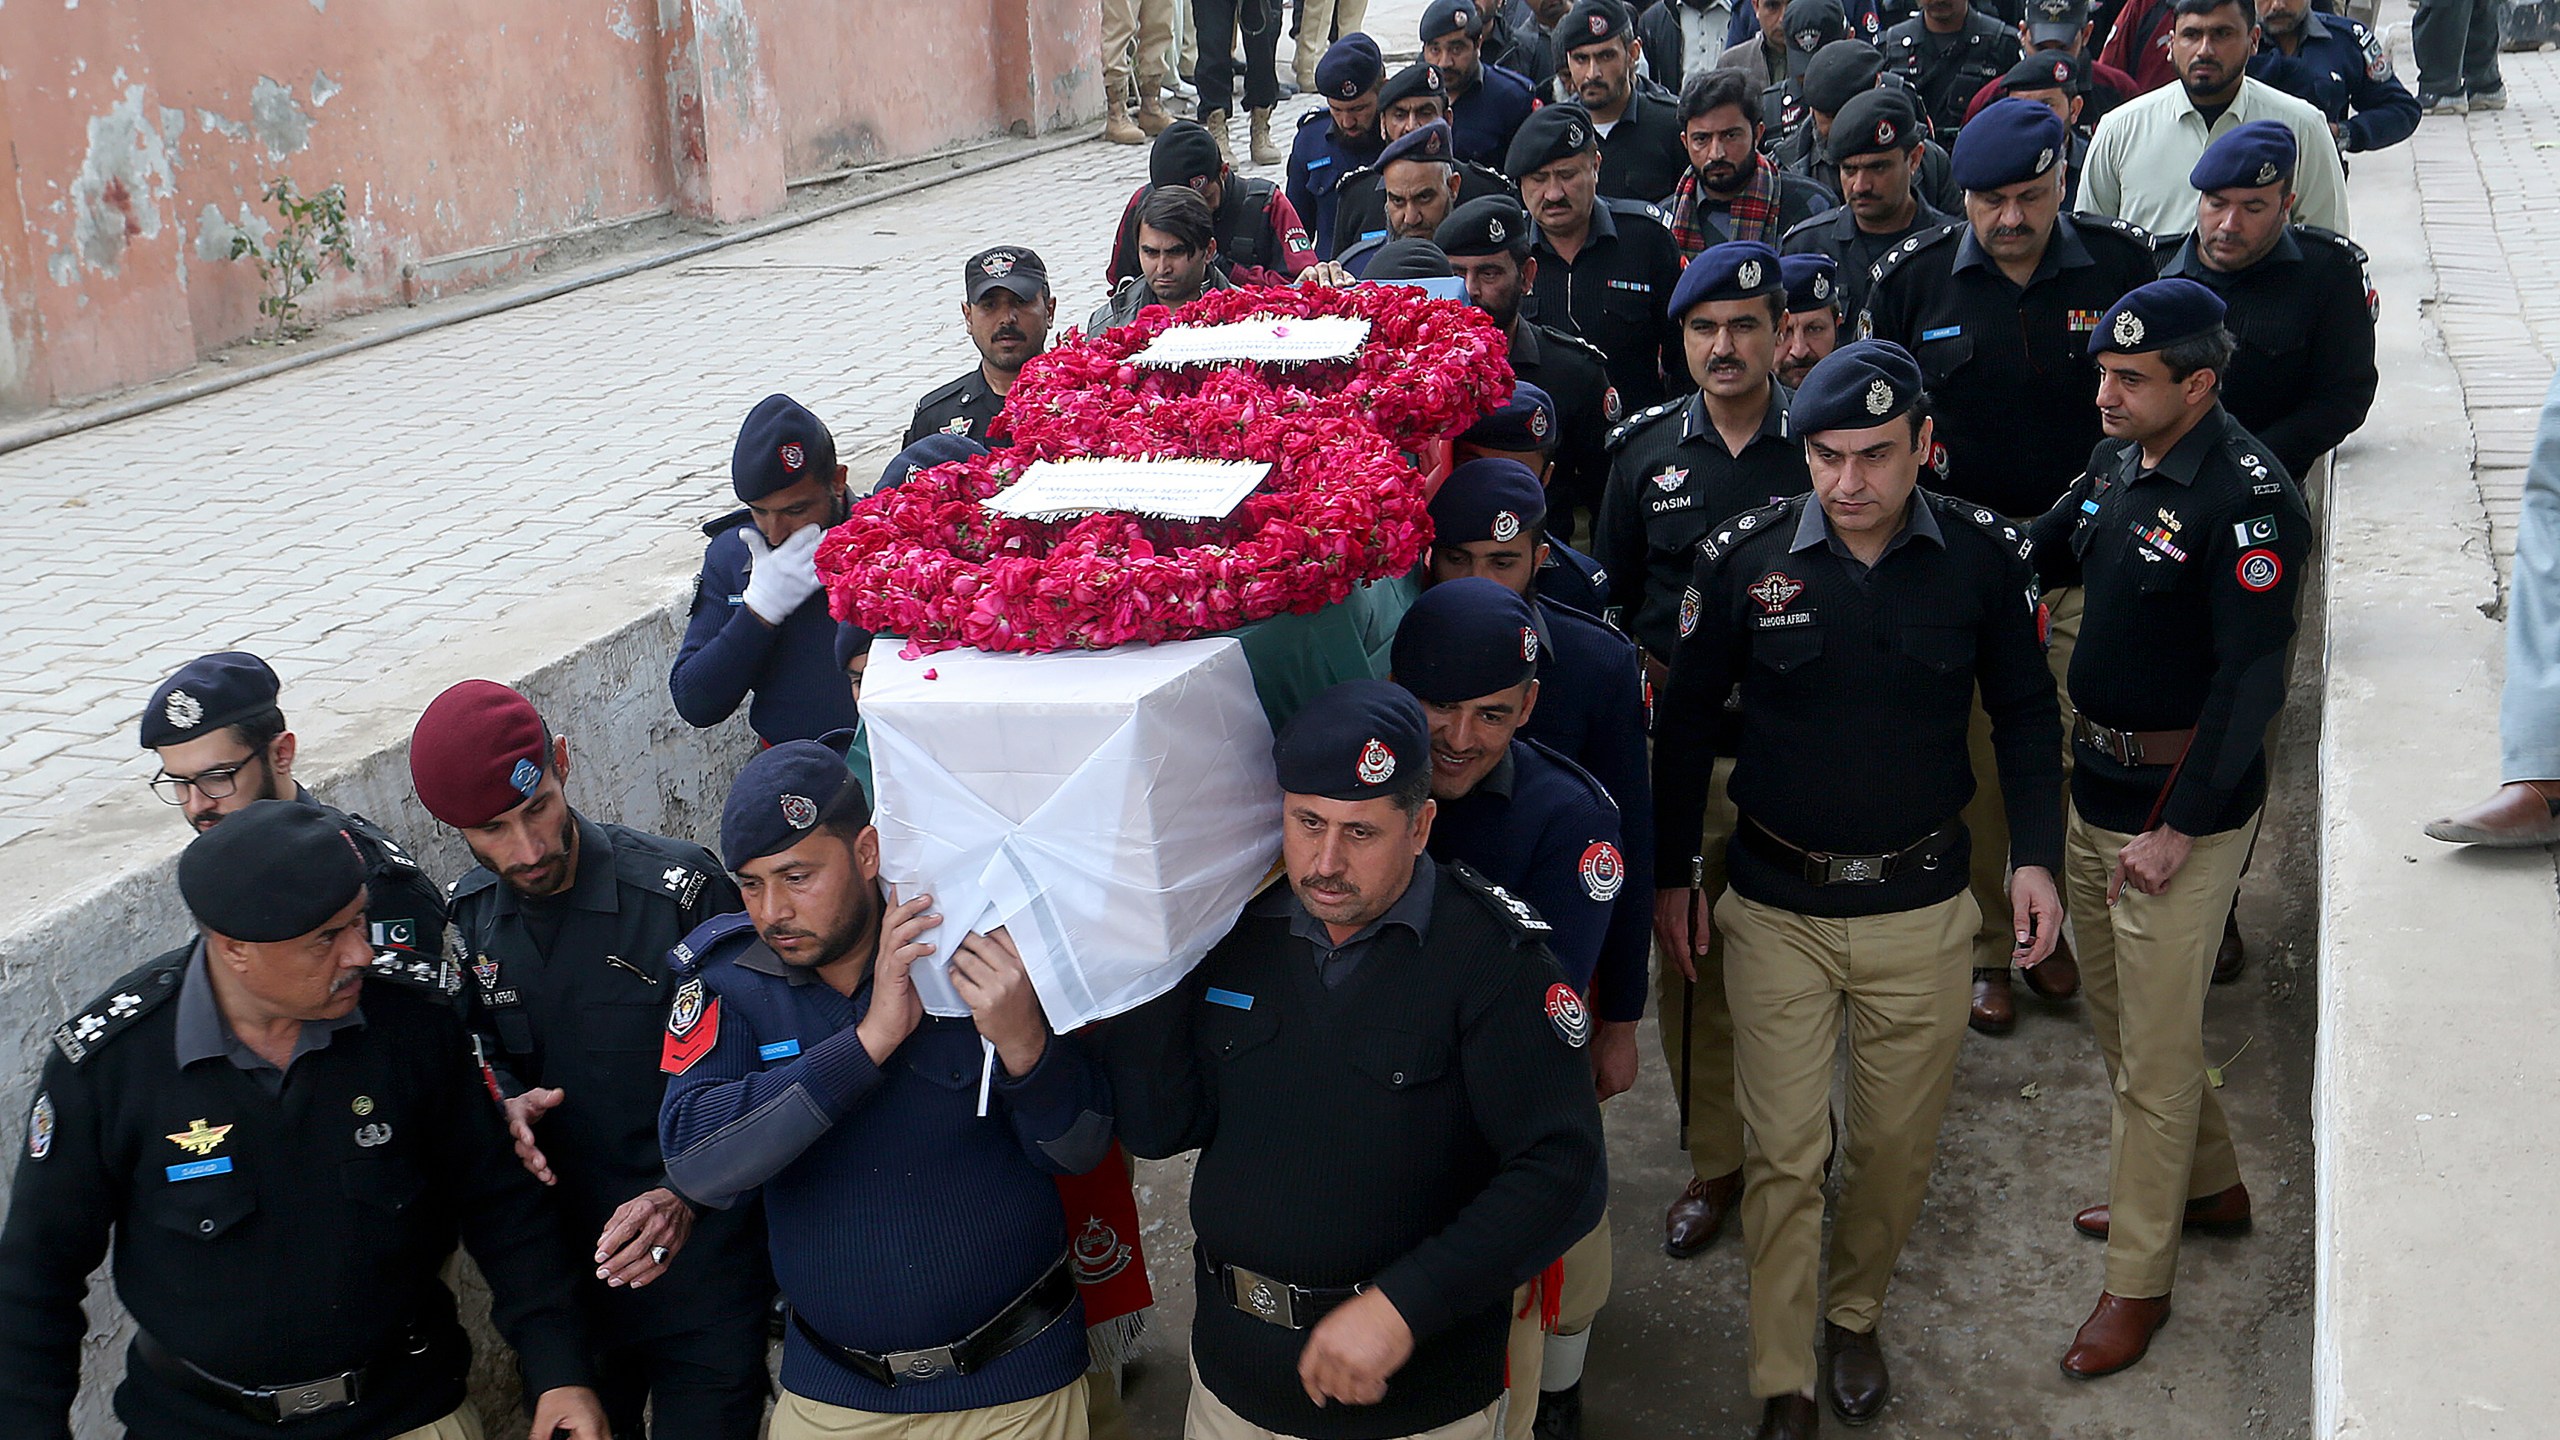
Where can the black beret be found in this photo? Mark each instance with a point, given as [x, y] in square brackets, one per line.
[1411, 82]
[1812, 24]
[1408, 257]
[786, 792]
[851, 640]
[938, 448]
[2056, 19]
[1838, 71]
[273, 871]
[1591, 22]
[207, 693]
[1422, 142]
[2261, 152]
[1488, 499]
[1486, 225]
[1813, 281]
[1350, 66]
[1184, 151]
[781, 445]
[1464, 639]
[2157, 316]
[1857, 387]
[2011, 141]
[1525, 421]
[1352, 741]
[1447, 17]
[1735, 270]
[1551, 133]
[2047, 70]
[1005, 267]
[1872, 123]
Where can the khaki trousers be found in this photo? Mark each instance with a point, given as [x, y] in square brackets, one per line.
[462, 1424]
[2145, 964]
[1320, 18]
[1984, 815]
[1587, 1273]
[1210, 1419]
[1140, 27]
[1058, 1415]
[1901, 981]
[1715, 1126]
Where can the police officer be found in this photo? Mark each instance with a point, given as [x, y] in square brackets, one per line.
[1840, 72]
[1604, 265]
[1730, 189]
[1639, 122]
[2339, 64]
[1387, 1152]
[1338, 139]
[1007, 309]
[1487, 242]
[1812, 327]
[280, 1144]
[1947, 52]
[2189, 540]
[1868, 609]
[1420, 182]
[567, 922]
[1809, 28]
[1411, 99]
[2062, 28]
[1177, 258]
[759, 625]
[223, 746]
[1523, 430]
[2300, 303]
[1262, 240]
[2060, 83]
[803, 1068]
[1486, 102]
[938, 448]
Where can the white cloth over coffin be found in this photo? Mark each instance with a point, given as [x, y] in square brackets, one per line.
[1115, 809]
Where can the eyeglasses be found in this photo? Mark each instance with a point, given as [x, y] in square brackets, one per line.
[214, 784]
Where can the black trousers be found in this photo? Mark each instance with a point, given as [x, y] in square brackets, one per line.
[704, 1384]
[1219, 22]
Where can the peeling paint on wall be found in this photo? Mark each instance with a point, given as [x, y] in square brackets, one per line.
[122, 181]
[214, 230]
[228, 129]
[278, 118]
[173, 122]
[323, 89]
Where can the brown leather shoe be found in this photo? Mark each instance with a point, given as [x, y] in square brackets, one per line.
[1697, 1217]
[1859, 1382]
[1995, 1008]
[2058, 978]
[2231, 955]
[2115, 1336]
[2523, 813]
[1788, 1417]
[2225, 1212]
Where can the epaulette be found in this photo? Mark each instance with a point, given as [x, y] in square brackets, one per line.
[387, 852]
[1804, 225]
[473, 881]
[652, 868]
[726, 523]
[1644, 208]
[2334, 238]
[1991, 522]
[2102, 223]
[946, 390]
[2248, 452]
[1914, 245]
[1759, 521]
[1573, 769]
[1517, 915]
[1571, 341]
[129, 999]
[1320, 112]
[689, 953]
[1575, 615]
[1632, 423]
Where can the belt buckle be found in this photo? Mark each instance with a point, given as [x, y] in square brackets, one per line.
[1850, 869]
[1263, 1298]
[295, 1401]
[908, 1366]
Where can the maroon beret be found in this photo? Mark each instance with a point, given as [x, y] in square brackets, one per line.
[479, 752]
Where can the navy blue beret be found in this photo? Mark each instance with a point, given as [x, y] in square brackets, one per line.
[2047, 70]
[1413, 81]
[1465, 639]
[938, 448]
[1813, 282]
[207, 693]
[2261, 152]
[781, 445]
[1353, 742]
[1488, 499]
[1525, 421]
[1590, 22]
[1447, 17]
[1551, 133]
[1350, 66]
[1486, 225]
[1873, 122]
[1735, 270]
[2156, 316]
[1857, 387]
[851, 640]
[2011, 141]
[273, 871]
[1422, 142]
[785, 793]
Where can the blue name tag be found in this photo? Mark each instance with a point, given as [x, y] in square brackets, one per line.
[1373, 235]
[737, 599]
[198, 1169]
[2090, 506]
[778, 1050]
[1943, 332]
[1319, 161]
[1229, 997]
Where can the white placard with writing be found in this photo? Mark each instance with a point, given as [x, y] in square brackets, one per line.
[1287, 340]
[1174, 489]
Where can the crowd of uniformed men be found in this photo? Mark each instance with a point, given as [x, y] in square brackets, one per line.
[1890, 665]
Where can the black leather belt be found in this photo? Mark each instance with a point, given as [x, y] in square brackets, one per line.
[1821, 867]
[2132, 747]
[1274, 1302]
[275, 1404]
[1016, 1325]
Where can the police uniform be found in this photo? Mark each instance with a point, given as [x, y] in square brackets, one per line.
[1847, 874]
[1496, 100]
[1945, 71]
[1409, 1111]
[935, 449]
[1612, 291]
[2191, 569]
[1840, 73]
[967, 407]
[1836, 233]
[2341, 65]
[729, 652]
[2304, 376]
[1360, 211]
[1427, 144]
[1642, 156]
[1321, 157]
[571, 992]
[954, 1293]
[278, 1236]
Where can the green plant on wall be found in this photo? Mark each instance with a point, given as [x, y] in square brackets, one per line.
[291, 258]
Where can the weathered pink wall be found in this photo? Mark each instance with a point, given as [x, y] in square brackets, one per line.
[139, 134]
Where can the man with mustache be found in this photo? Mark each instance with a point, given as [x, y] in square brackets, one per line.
[1812, 327]
[1638, 121]
[2139, 157]
[1839, 73]
[1604, 265]
[1486, 102]
[1420, 179]
[1731, 189]
[1337, 139]
[1946, 53]
[1007, 308]
[567, 922]
[1411, 99]
[223, 746]
[2339, 65]
[1876, 151]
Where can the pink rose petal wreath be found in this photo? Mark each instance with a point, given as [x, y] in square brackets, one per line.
[1342, 505]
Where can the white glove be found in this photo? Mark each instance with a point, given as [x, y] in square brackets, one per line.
[780, 578]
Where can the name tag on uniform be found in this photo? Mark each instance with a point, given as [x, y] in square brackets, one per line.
[198, 1169]
[739, 599]
[1229, 998]
[1319, 162]
[1943, 332]
[778, 1050]
[1367, 235]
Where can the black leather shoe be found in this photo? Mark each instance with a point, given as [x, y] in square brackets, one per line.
[1859, 1382]
[1789, 1417]
[1559, 1414]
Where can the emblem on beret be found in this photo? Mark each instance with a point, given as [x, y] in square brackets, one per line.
[525, 777]
[1538, 424]
[1573, 135]
[1884, 132]
[1603, 871]
[1747, 274]
[2062, 72]
[1462, 18]
[1565, 1012]
[1879, 398]
[799, 811]
[2044, 160]
[1688, 611]
[1000, 263]
[2267, 173]
[1775, 591]
[183, 710]
[1377, 763]
[1506, 526]
[1493, 231]
[40, 1127]
[2128, 328]
[1528, 644]
[793, 457]
[1599, 23]
[1350, 88]
[1821, 286]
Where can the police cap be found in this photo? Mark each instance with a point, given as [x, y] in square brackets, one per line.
[1813, 282]
[274, 871]
[1430, 142]
[1812, 24]
[1414, 81]
[781, 445]
[1465, 639]
[785, 793]
[1353, 742]
[1448, 17]
[1489, 499]
[1592, 22]
[207, 693]
[1839, 71]
[1874, 122]
[479, 751]
[1551, 133]
[2047, 70]
[2010, 142]
[2261, 152]
[1526, 421]
[1486, 225]
[2056, 21]
[938, 448]
[1185, 153]
[1005, 267]
[1735, 270]
[2157, 316]
[1351, 66]
[1857, 387]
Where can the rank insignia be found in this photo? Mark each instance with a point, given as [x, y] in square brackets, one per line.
[199, 1138]
[40, 1128]
[2084, 321]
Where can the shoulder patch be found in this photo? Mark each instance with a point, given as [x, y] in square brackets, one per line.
[696, 949]
[473, 881]
[125, 1002]
[660, 866]
[1639, 419]
[1927, 239]
[1516, 914]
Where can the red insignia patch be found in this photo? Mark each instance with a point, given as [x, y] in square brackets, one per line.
[1565, 1011]
[693, 1028]
[2259, 571]
[1774, 592]
[1603, 871]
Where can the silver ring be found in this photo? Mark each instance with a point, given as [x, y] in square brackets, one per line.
[658, 1254]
